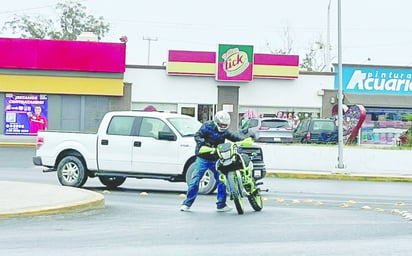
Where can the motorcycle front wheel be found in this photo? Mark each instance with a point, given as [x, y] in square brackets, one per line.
[235, 192]
[239, 204]
[255, 201]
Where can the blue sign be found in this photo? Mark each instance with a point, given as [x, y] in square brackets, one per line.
[369, 80]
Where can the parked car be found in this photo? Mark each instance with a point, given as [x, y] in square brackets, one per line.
[268, 129]
[316, 130]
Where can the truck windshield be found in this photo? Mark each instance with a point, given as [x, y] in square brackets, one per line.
[186, 126]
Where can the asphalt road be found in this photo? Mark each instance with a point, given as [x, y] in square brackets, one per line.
[147, 222]
[300, 217]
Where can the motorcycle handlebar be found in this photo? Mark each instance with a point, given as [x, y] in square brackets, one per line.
[211, 150]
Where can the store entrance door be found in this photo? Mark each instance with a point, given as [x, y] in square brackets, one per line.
[188, 109]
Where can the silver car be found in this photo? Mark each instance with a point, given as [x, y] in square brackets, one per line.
[269, 129]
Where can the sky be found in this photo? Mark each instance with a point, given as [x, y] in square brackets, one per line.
[373, 32]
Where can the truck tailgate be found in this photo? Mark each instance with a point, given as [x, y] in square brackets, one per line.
[54, 142]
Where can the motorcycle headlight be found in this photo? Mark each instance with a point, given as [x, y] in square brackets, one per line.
[257, 174]
[225, 155]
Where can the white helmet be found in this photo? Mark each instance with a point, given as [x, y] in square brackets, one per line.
[222, 120]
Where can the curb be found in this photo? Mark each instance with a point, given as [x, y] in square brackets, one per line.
[97, 202]
[24, 144]
[288, 175]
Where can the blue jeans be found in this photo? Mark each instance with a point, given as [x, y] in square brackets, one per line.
[201, 167]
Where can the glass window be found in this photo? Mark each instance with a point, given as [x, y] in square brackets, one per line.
[275, 123]
[384, 125]
[186, 126]
[326, 125]
[190, 111]
[304, 125]
[150, 127]
[253, 123]
[121, 125]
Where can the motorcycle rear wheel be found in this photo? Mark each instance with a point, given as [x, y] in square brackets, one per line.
[255, 201]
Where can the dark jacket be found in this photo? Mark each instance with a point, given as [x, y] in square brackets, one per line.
[209, 135]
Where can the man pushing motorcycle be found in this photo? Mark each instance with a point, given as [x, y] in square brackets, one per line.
[211, 134]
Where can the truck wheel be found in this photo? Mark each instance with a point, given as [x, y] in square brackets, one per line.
[71, 172]
[112, 182]
[207, 184]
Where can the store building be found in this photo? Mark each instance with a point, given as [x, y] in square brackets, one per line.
[386, 94]
[189, 85]
[192, 83]
[71, 83]
[75, 83]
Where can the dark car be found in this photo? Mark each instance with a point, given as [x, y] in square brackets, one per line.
[316, 130]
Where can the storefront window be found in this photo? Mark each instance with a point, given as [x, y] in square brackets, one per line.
[384, 125]
[205, 113]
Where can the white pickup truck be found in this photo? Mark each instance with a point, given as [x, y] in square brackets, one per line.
[129, 144]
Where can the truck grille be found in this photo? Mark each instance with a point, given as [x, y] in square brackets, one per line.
[255, 153]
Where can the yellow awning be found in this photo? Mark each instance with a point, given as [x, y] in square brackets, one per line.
[275, 71]
[191, 68]
[61, 85]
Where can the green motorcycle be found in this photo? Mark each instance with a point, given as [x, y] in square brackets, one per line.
[237, 173]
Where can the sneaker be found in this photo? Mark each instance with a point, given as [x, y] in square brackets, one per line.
[184, 208]
[224, 209]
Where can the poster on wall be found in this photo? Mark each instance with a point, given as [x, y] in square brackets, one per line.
[25, 114]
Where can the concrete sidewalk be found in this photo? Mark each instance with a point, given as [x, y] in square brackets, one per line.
[31, 199]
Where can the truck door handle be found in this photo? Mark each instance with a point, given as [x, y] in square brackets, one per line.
[137, 144]
[105, 142]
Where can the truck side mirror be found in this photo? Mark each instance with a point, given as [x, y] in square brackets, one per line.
[167, 136]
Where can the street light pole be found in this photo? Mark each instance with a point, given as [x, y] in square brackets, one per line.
[149, 40]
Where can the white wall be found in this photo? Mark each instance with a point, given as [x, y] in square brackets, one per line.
[301, 92]
[154, 85]
[324, 158]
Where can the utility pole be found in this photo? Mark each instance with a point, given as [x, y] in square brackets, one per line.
[341, 165]
[149, 40]
[328, 47]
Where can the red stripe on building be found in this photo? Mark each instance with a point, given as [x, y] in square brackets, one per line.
[272, 59]
[62, 55]
[192, 56]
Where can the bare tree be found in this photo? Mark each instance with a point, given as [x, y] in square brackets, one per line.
[287, 42]
[313, 58]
